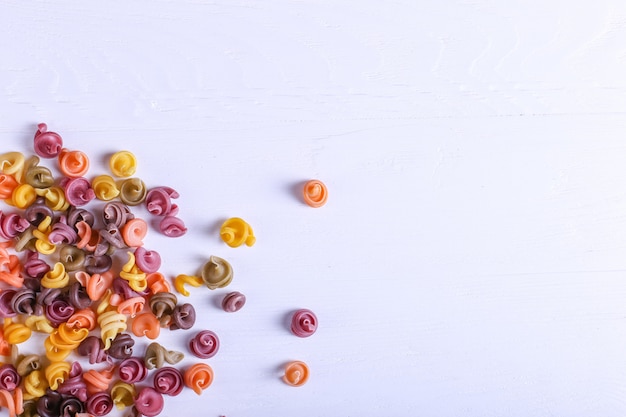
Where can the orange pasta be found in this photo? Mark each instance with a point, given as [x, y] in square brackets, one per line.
[146, 325]
[199, 377]
[98, 381]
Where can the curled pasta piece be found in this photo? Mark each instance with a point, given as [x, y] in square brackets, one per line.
[116, 213]
[198, 377]
[98, 381]
[104, 188]
[9, 377]
[15, 333]
[122, 346]
[204, 344]
[37, 176]
[34, 385]
[23, 196]
[55, 353]
[74, 384]
[12, 163]
[11, 225]
[35, 267]
[57, 277]
[59, 311]
[95, 285]
[24, 301]
[111, 323]
[78, 296]
[71, 406]
[123, 395]
[25, 364]
[233, 302]
[66, 337]
[136, 279]
[37, 212]
[183, 317]
[72, 258]
[182, 279]
[97, 264]
[82, 319]
[146, 325]
[39, 324]
[162, 305]
[169, 381]
[62, 233]
[7, 184]
[296, 373]
[132, 306]
[55, 198]
[159, 201]
[134, 231]
[156, 356]
[47, 144]
[133, 191]
[10, 271]
[149, 402]
[235, 232]
[93, 348]
[217, 273]
[73, 164]
[49, 405]
[12, 400]
[84, 235]
[172, 226]
[123, 164]
[5, 347]
[148, 261]
[132, 370]
[78, 191]
[157, 283]
[56, 373]
[99, 404]
[6, 306]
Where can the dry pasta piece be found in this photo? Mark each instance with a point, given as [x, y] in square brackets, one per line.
[181, 280]
[83, 319]
[133, 191]
[39, 324]
[66, 337]
[146, 325]
[123, 164]
[55, 353]
[105, 188]
[12, 401]
[55, 198]
[25, 364]
[156, 356]
[12, 163]
[131, 273]
[198, 377]
[23, 196]
[111, 323]
[217, 273]
[98, 381]
[132, 306]
[157, 283]
[73, 164]
[34, 385]
[7, 184]
[56, 373]
[134, 231]
[57, 277]
[15, 333]
[95, 285]
[123, 395]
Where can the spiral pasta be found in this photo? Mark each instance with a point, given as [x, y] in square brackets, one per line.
[131, 273]
[181, 280]
[15, 333]
[12, 401]
[111, 323]
[156, 356]
[56, 373]
[55, 198]
[146, 325]
[12, 163]
[25, 364]
[83, 319]
[123, 395]
[98, 381]
[7, 185]
[73, 164]
[23, 196]
[39, 324]
[217, 273]
[198, 377]
[57, 277]
[34, 385]
[105, 188]
[133, 191]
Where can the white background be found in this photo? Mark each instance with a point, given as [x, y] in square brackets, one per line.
[471, 258]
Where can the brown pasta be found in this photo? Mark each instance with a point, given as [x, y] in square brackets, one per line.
[133, 191]
[156, 356]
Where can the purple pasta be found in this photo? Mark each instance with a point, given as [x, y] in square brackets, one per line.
[59, 311]
[97, 264]
[24, 301]
[78, 296]
[183, 317]
[74, 384]
[112, 235]
[6, 304]
[70, 406]
[32, 283]
[147, 261]
[49, 404]
[121, 346]
[37, 212]
[93, 348]
[62, 233]
[99, 404]
[78, 191]
[172, 226]
[159, 201]
[149, 402]
[11, 225]
[204, 344]
[132, 370]
[168, 381]
[76, 215]
[303, 323]
[122, 288]
[233, 302]
[117, 213]
[35, 267]
[47, 144]
[45, 297]
[9, 378]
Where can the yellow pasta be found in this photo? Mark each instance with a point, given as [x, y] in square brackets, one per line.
[111, 323]
[23, 196]
[57, 277]
[56, 373]
[104, 187]
[123, 395]
[34, 385]
[12, 163]
[55, 198]
[15, 333]
[131, 273]
[181, 280]
[39, 324]
[54, 353]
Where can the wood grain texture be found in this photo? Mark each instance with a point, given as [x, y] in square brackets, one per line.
[470, 261]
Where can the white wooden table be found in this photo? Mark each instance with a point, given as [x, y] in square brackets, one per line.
[471, 259]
